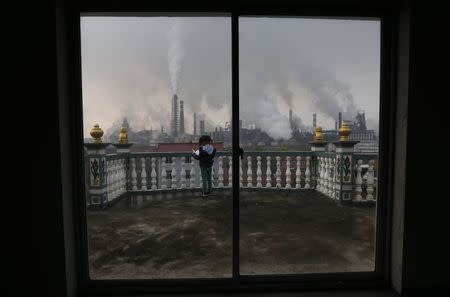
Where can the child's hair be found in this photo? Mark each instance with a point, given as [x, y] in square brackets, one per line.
[204, 139]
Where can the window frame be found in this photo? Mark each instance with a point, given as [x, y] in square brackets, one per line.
[376, 279]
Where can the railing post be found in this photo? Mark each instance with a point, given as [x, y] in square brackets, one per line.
[258, 173]
[230, 171]
[98, 184]
[143, 175]
[153, 174]
[192, 174]
[133, 174]
[268, 173]
[298, 173]
[278, 172]
[370, 180]
[163, 174]
[183, 172]
[344, 164]
[249, 172]
[288, 172]
[307, 172]
[241, 184]
[123, 149]
[358, 181]
[220, 172]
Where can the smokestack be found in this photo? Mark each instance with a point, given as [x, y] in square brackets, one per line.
[290, 117]
[162, 129]
[340, 120]
[335, 125]
[181, 117]
[202, 127]
[195, 124]
[174, 118]
[314, 121]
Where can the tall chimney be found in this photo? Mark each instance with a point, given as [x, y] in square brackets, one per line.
[335, 125]
[340, 120]
[174, 118]
[314, 121]
[195, 124]
[290, 117]
[181, 117]
[202, 127]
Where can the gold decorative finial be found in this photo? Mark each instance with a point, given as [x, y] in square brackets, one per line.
[344, 132]
[123, 136]
[97, 134]
[318, 136]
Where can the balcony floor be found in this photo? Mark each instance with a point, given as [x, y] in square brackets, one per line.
[178, 235]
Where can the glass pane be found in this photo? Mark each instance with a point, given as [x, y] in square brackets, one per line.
[308, 188]
[154, 85]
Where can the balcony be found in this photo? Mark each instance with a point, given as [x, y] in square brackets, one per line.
[300, 212]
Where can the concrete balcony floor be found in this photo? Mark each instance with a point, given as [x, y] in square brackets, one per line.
[184, 235]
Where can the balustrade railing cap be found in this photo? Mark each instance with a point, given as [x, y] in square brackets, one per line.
[345, 143]
[96, 146]
[318, 143]
[123, 145]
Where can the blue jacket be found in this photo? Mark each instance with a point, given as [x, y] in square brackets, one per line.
[205, 155]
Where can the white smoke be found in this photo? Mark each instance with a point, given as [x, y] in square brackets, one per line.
[175, 52]
[266, 116]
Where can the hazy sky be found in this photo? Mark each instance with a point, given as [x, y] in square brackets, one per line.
[131, 66]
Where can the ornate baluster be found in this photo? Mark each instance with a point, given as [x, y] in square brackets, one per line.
[175, 174]
[298, 173]
[258, 172]
[143, 175]
[163, 173]
[288, 172]
[220, 172]
[308, 173]
[370, 180]
[278, 172]
[230, 171]
[322, 173]
[213, 179]
[331, 179]
[133, 175]
[183, 173]
[240, 174]
[358, 181]
[108, 179]
[192, 174]
[327, 176]
[249, 172]
[153, 173]
[268, 173]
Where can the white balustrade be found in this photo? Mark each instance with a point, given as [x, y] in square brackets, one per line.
[358, 180]
[258, 172]
[143, 175]
[133, 175]
[370, 180]
[153, 173]
[193, 173]
[331, 187]
[220, 178]
[183, 173]
[298, 173]
[241, 184]
[230, 171]
[278, 172]
[249, 172]
[268, 173]
[163, 173]
[288, 172]
[307, 173]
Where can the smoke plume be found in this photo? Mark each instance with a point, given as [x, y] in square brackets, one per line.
[175, 52]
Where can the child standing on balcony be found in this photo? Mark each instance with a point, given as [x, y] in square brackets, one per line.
[205, 154]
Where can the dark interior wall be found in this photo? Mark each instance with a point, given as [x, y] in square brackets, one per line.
[426, 247]
[35, 219]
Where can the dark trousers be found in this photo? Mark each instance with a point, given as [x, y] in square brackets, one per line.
[206, 178]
